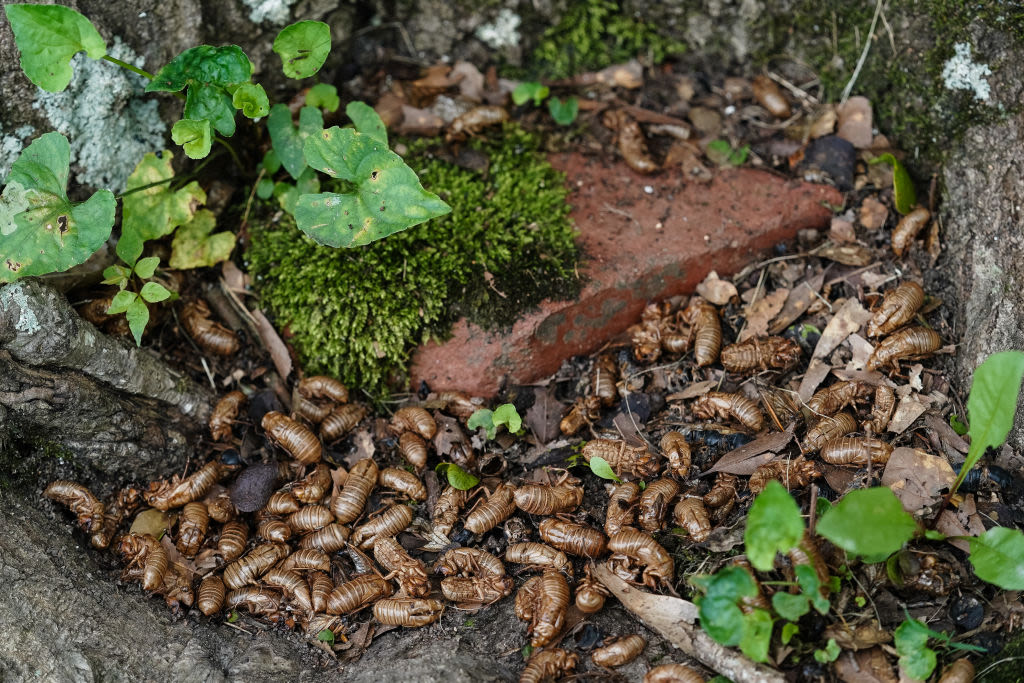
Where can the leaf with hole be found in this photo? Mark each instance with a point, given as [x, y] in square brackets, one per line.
[195, 244]
[288, 139]
[388, 197]
[869, 522]
[50, 233]
[774, 525]
[195, 137]
[303, 48]
[48, 36]
[483, 417]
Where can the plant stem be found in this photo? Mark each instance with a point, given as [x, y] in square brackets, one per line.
[130, 67]
[231, 150]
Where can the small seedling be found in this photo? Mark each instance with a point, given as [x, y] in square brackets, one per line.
[457, 477]
[504, 415]
[722, 153]
[904, 196]
[326, 636]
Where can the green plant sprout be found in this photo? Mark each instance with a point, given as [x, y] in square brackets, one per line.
[564, 112]
[45, 232]
[457, 477]
[916, 658]
[722, 153]
[504, 415]
[904, 196]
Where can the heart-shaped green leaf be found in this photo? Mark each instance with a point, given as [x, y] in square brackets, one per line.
[49, 233]
[121, 301]
[252, 99]
[564, 112]
[156, 211]
[367, 121]
[303, 47]
[388, 196]
[323, 96]
[194, 246]
[774, 526]
[147, 266]
[457, 477]
[289, 140]
[869, 522]
[196, 137]
[203, 64]
[48, 36]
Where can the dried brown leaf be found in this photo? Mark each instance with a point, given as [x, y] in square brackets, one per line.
[798, 301]
[917, 477]
[272, 342]
[761, 312]
[543, 416]
[748, 457]
[716, 290]
[873, 213]
[866, 666]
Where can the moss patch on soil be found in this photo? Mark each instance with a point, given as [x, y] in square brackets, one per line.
[357, 314]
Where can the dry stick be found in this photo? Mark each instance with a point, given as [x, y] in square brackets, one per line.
[676, 623]
[863, 54]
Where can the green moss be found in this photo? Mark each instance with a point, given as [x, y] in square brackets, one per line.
[1004, 666]
[594, 34]
[357, 314]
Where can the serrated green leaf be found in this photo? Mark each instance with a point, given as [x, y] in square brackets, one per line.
[289, 140]
[195, 247]
[991, 405]
[203, 64]
[459, 478]
[156, 211]
[483, 417]
[904, 196]
[529, 90]
[303, 48]
[911, 641]
[252, 99]
[154, 292]
[870, 522]
[601, 468]
[196, 137]
[323, 96]
[998, 557]
[367, 121]
[789, 606]
[121, 301]
[564, 112]
[506, 414]
[265, 188]
[757, 634]
[147, 266]
[50, 234]
[388, 196]
[774, 526]
[48, 36]
[138, 316]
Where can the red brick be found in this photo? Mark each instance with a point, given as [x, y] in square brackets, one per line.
[638, 247]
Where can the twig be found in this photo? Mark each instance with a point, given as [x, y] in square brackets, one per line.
[863, 54]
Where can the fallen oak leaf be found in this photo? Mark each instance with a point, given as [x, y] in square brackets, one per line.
[748, 457]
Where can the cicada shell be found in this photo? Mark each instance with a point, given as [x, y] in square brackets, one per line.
[80, 500]
[549, 665]
[498, 507]
[605, 375]
[164, 495]
[405, 482]
[677, 452]
[806, 552]
[549, 609]
[544, 499]
[881, 412]
[769, 96]
[644, 550]
[583, 412]
[414, 449]
[906, 230]
[575, 539]
[350, 502]
[526, 599]
[414, 419]
[323, 387]
[409, 612]
[458, 403]
[781, 403]
[281, 503]
[356, 594]
[910, 343]
[220, 507]
[590, 594]
[621, 507]
[475, 120]
[707, 331]
[646, 340]
[631, 142]
[476, 590]
[672, 673]
[723, 492]
[624, 459]
[619, 651]
[832, 399]
[125, 503]
[211, 336]
[320, 588]
[314, 486]
[724, 406]
[898, 307]
[856, 451]
[306, 559]
[211, 595]
[654, 502]
[470, 562]
[310, 411]
[341, 421]
[255, 600]
[829, 428]
[690, 514]
[410, 573]
[273, 529]
[538, 555]
[224, 414]
[392, 521]
[192, 528]
[233, 537]
[361, 562]
[310, 518]
[331, 538]
[145, 558]
[95, 310]
[293, 437]
[446, 509]
[793, 474]
[293, 585]
[960, 671]
[759, 354]
[258, 560]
